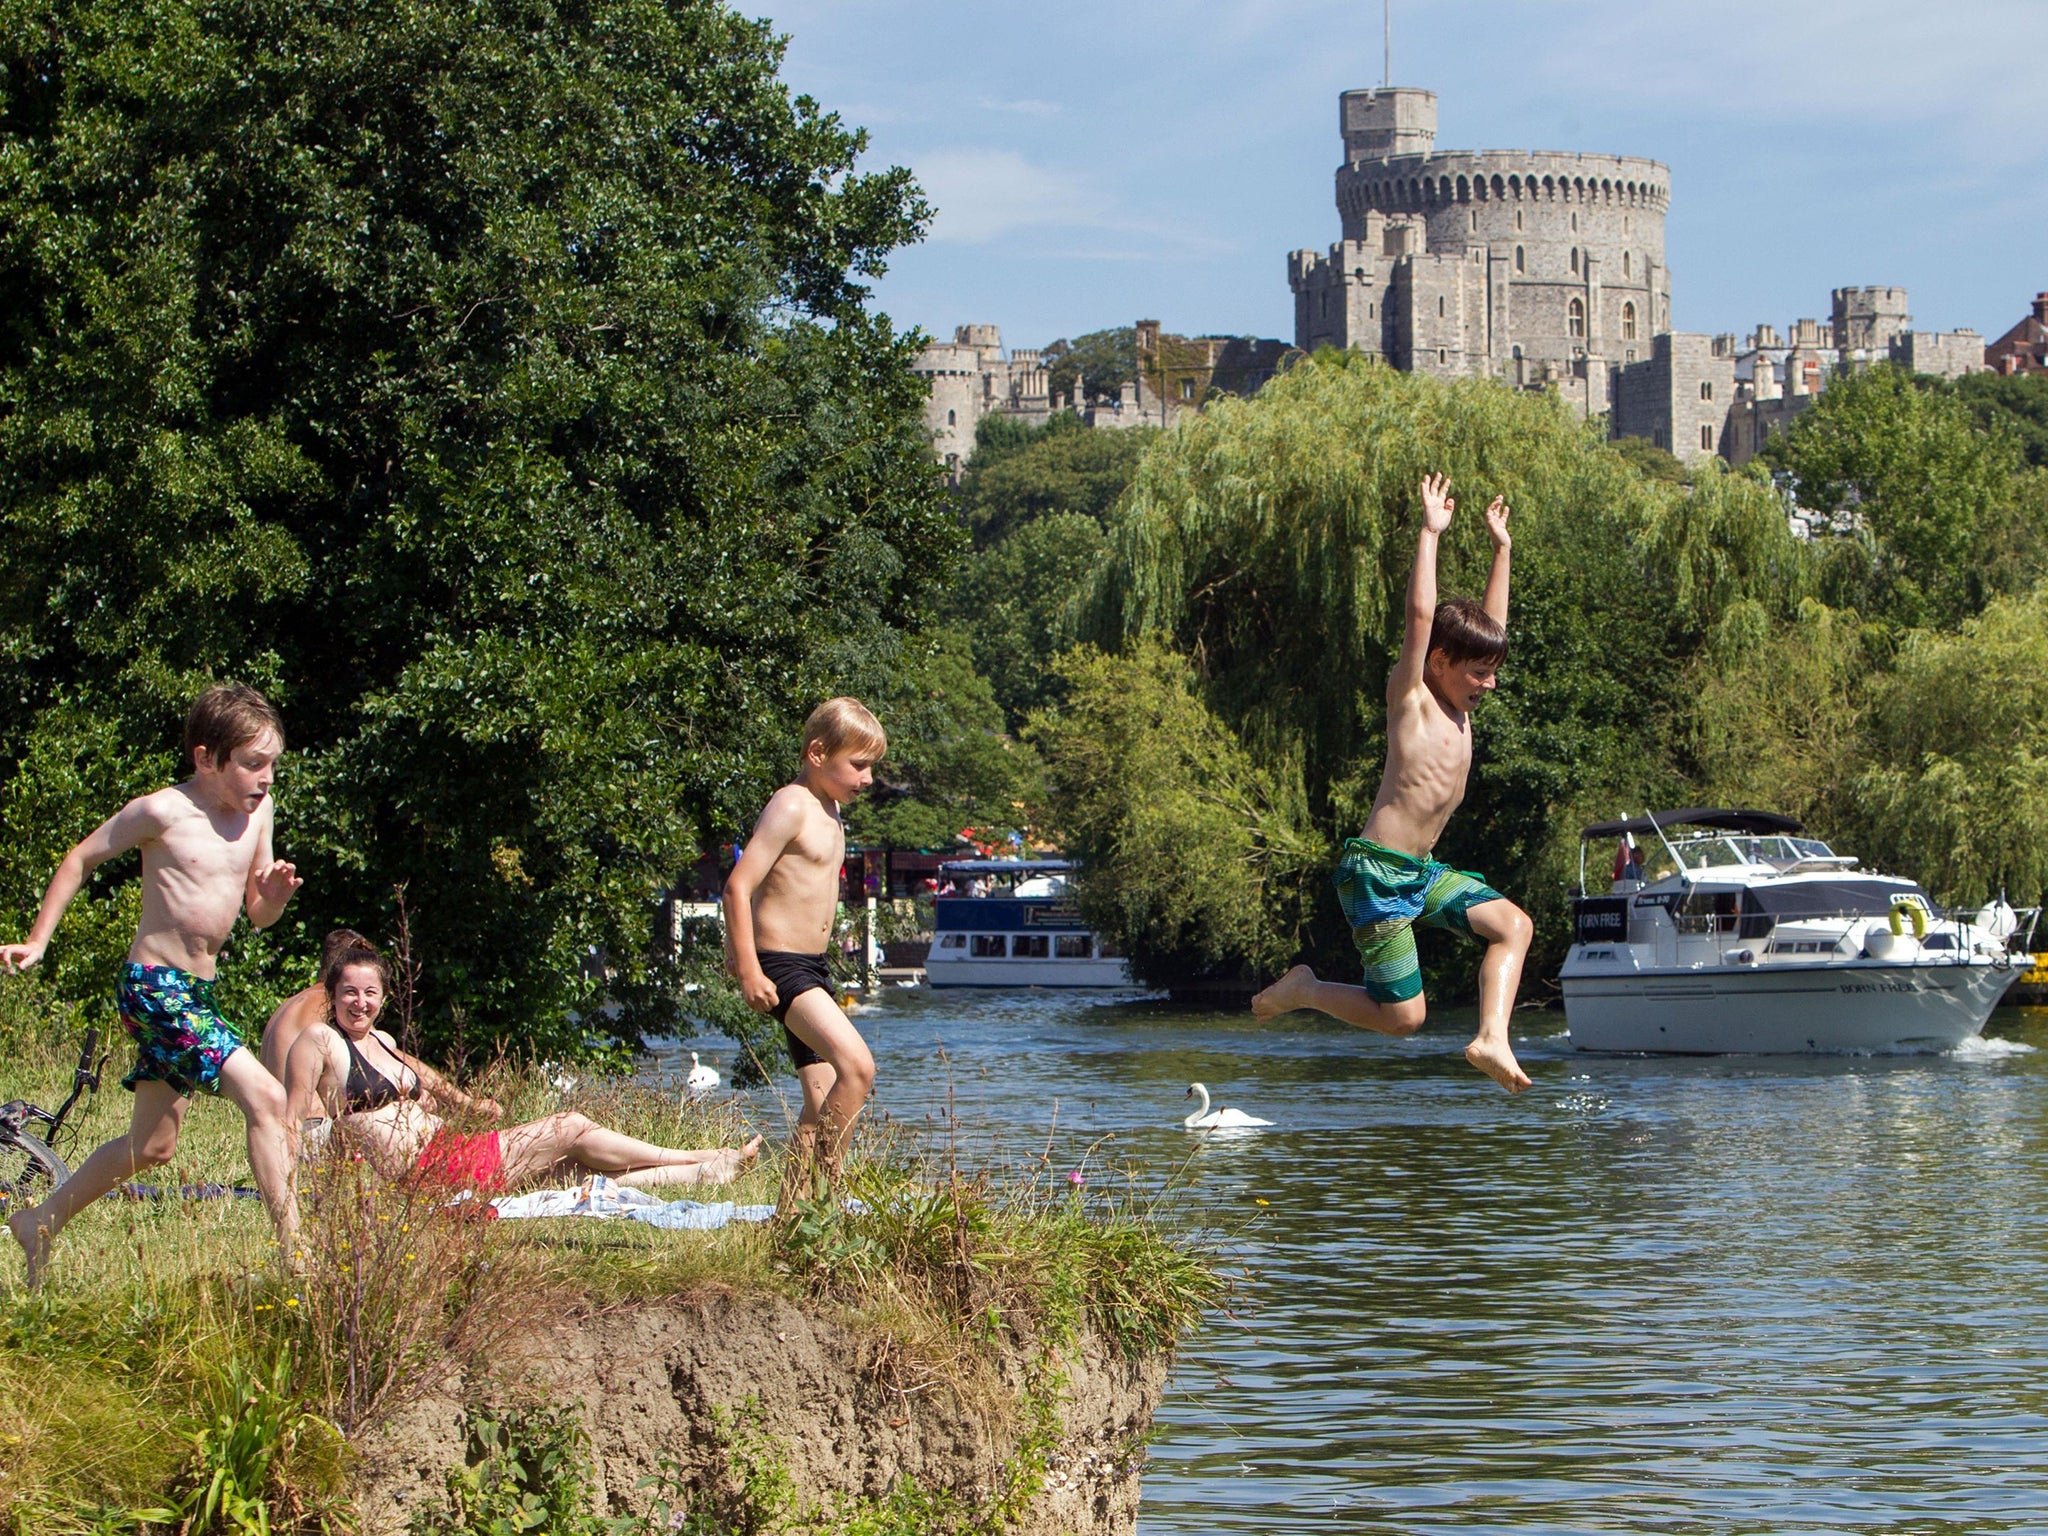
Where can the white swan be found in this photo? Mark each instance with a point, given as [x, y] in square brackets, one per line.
[702, 1079]
[1207, 1119]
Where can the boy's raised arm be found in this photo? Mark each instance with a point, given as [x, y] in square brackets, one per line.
[130, 827]
[271, 880]
[778, 824]
[1496, 600]
[1437, 507]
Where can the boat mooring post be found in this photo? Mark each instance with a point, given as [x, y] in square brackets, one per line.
[871, 952]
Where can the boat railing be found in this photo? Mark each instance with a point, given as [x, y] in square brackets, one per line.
[1965, 920]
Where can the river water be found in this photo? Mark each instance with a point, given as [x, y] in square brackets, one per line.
[1684, 1295]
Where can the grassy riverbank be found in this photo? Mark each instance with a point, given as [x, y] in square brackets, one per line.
[170, 1371]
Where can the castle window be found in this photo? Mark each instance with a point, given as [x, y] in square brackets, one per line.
[1657, 437]
[1575, 223]
[1631, 354]
[1575, 258]
[1517, 351]
[1706, 389]
[1187, 389]
[1518, 219]
[1706, 439]
[1628, 322]
[1575, 318]
[1371, 311]
[1439, 306]
[952, 419]
[1521, 256]
[1474, 216]
[1625, 264]
[1442, 355]
[1624, 227]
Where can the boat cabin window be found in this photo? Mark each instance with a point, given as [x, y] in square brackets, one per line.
[1028, 946]
[1071, 946]
[985, 946]
[953, 941]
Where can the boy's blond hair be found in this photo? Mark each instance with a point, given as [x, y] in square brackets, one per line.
[843, 724]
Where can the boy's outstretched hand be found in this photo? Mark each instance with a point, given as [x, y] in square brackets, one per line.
[19, 957]
[1497, 522]
[278, 882]
[1437, 503]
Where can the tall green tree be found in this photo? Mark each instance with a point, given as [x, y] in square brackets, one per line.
[490, 380]
[1195, 856]
[1017, 600]
[1064, 466]
[1096, 364]
[1929, 482]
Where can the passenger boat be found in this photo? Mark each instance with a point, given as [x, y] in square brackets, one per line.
[1746, 936]
[1015, 923]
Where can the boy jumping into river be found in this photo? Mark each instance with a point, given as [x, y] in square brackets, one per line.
[206, 857]
[779, 904]
[1387, 881]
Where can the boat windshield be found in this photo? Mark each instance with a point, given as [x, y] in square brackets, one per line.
[1711, 852]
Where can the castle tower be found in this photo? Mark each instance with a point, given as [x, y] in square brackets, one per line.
[1869, 319]
[1511, 263]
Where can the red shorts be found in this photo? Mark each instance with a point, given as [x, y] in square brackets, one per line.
[473, 1162]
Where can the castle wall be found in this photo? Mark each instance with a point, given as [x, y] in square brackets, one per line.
[1678, 397]
[1945, 354]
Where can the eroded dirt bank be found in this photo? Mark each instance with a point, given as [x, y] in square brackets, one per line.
[651, 1377]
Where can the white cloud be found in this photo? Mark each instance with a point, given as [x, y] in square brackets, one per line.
[982, 194]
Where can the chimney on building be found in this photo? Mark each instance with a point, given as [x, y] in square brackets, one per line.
[2041, 307]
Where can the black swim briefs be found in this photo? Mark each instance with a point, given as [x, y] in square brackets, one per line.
[794, 975]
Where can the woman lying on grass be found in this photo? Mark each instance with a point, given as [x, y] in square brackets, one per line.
[376, 1095]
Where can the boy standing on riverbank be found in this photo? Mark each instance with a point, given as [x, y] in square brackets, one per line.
[206, 857]
[1387, 881]
[779, 904]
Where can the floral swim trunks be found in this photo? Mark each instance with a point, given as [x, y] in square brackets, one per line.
[180, 1037]
[1385, 893]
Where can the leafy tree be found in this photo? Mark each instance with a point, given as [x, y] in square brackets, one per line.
[1916, 465]
[949, 765]
[1063, 467]
[2015, 403]
[491, 383]
[1956, 787]
[1194, 856]
[1015, 600]
[1099, 363]
[1650, 461]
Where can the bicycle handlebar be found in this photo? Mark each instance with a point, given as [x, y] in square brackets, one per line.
[89, 1050]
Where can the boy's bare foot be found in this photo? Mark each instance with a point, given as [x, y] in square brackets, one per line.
[1498, 1062]
[1285, 995]
[35, 1243]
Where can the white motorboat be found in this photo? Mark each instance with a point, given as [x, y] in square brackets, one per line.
[1015, 923]
[1733, 932]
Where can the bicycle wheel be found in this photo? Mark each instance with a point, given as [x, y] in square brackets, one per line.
[28, 1171]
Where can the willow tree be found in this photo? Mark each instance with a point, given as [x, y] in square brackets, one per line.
[492, 381]
[1270, 540]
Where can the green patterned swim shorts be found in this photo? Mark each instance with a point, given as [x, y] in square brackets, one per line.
[1385, 893]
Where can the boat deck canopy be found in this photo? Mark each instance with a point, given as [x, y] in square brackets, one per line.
[1696, 816]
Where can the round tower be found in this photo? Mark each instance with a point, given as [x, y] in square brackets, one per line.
[1571, 245]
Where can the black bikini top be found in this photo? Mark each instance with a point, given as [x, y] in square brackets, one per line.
[367, 1088]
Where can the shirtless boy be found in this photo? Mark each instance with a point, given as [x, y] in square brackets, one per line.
[206, 857]
[779, 904]
[1387, 881]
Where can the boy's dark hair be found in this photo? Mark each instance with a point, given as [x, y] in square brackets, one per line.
[360, 954]
[225, 717]
[1464, 631]
[340, 941]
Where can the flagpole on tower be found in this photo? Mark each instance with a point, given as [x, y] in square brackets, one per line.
[1388, 78]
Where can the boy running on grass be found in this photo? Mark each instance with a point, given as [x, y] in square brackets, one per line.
[1387, 881]
[206, 856]
[779, 904]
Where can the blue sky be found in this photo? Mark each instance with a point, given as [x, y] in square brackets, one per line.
[1097, 163]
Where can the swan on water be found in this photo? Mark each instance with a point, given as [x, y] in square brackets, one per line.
[702, 1079]
[1207, 1119]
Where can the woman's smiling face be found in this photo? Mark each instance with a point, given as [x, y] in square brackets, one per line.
[358, 999]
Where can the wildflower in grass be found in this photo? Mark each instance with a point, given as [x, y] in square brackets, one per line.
[1257, 1201]
[1077, 1178]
